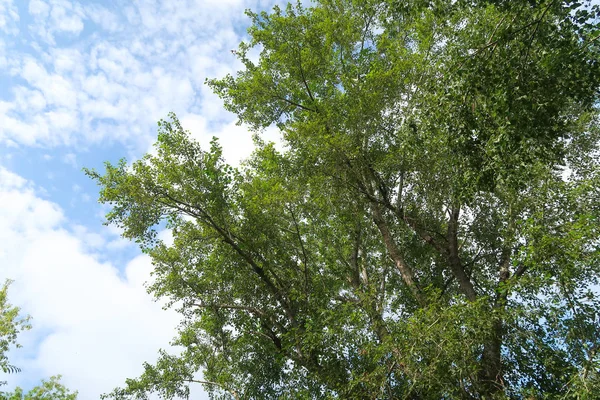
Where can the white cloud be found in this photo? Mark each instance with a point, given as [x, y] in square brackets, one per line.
[54, 17]
[68, 62]
[21, 210]
[9, 17]
[70, 159]
[10, 180]
[3, 58]
[236, 140]
[103, 17]
[166, 235]
[115, 83]
[66, 17]
[103, 324]
[57, 89]
[39, 8]
[29, 99]
[25, 132]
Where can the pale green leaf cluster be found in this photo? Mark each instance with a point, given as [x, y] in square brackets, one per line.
[11, 323]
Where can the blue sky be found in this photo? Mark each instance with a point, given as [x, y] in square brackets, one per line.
[82, 82]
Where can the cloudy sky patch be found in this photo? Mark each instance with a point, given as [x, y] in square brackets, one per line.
[82, 82]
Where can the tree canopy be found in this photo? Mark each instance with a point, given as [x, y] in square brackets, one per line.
[430, 231]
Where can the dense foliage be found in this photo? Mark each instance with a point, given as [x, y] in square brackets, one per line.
[430, 232]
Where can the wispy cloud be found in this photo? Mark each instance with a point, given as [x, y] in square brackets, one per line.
[115, 82]
[9, 17]
[55, 17]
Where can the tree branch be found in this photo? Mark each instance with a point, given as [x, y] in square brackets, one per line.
[405, 271]
[295, 104]
[456, 266]
[304, 254]
[304, 77]
[202, 215]
[231, 391]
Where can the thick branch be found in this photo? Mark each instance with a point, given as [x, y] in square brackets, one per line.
[422, 233]
[520, 271]
[354, 258]
[401, 214]
[304, 254]
[405, 271]
[272, 335]
[456, 266]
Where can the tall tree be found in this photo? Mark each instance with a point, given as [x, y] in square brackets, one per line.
[431, 230]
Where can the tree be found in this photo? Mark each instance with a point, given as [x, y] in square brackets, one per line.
[47, 390]
[11, 324]
[430, 232]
